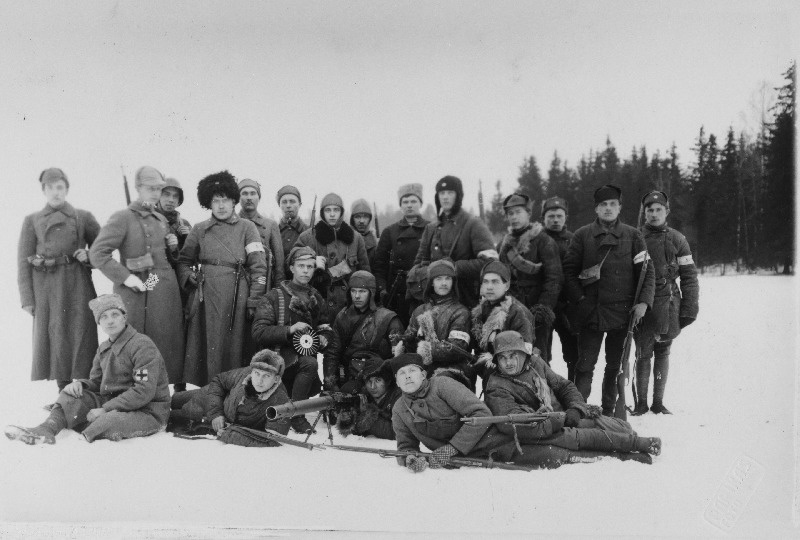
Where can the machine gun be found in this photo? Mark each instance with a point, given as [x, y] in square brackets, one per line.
[325, 403]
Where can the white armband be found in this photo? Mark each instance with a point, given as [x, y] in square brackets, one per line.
[457, 334]
[253, 247]
[489, 254]
[641, 257]
[686, 259]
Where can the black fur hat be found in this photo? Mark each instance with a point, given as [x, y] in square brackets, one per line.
[451, 183]
[221, 183]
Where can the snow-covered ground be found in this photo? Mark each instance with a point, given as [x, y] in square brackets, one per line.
[728, 462]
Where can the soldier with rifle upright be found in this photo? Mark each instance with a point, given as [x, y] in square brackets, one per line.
[601, 270]
[143, 276]
[674, 308]
[225, 289]
[397, 247]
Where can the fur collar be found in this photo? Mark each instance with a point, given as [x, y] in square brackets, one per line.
[495, 321]
[325, 234]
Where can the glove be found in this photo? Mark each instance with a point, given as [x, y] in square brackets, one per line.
[572, 418]
[330, 383]
[134, 283]
[82, 255]
[441, 456]
[416, 464]
[683, 322]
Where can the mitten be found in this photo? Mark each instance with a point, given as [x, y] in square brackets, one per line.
[416, 464]
[572, 418]
[441, 456]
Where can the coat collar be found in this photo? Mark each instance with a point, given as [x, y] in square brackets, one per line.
[599, 230]
[419, 224]
[207, 224]
[120, 342]
[295, 223]
[66, 209]
[257, 218]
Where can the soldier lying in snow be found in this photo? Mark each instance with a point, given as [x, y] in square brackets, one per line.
[378, 391]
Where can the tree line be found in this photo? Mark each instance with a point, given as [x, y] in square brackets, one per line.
[734, 203]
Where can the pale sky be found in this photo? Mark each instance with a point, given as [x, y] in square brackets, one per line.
[359, 97]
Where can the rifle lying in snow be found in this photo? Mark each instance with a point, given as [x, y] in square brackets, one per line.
[520, 418]
[458, 461]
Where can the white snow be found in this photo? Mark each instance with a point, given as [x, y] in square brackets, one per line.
[732, 389]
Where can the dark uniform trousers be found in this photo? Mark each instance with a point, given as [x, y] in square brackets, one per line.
[569, 344]
[589, 341]
[114, 425]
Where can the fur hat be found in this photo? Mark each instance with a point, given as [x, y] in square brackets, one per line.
[450, 183]
[250, 183]
[442, 267]
[496, 267]
[149, 176]
[288, 190]
[405, 359]
[331, 199]
[221, 183]
[552, 203]
[300, 253]
[104, 302]
[173, 183]
[509, 340]
[517, 199]
[410, 189]
[607, 192]
[655, 197]
[52, 175]
[375, 366]
[362, 279]
[268, 360]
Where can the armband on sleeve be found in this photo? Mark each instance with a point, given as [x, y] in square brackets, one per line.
[253, 247]
[458, 334]
[686, 259]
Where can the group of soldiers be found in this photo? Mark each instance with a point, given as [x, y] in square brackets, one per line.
[240, 306]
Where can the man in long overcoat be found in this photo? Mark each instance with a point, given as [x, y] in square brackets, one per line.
[250, 193]
[55, 283]
[143, 277]
[226, 289]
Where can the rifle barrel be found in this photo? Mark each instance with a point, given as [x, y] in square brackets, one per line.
[521, 418]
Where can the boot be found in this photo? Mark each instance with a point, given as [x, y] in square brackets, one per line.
[659, 408]
[649, 445]
[44, 433]
[640, 409]
[660, 372]
[588, 456]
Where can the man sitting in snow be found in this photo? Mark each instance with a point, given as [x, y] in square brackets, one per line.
[126, 394]
[239, 396]
[526, 384]
[375, 384]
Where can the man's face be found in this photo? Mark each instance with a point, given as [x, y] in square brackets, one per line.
[149, 194]
[447, 199]
[360, 297]
[55, 193]
[518, 217]
[510, 362]
[332, 213]
[222, 207]
[410, 205]
[442, 285]
[493, 287]
[361, 222]
[112, 322]
[249, 198]
[555, 219]
[608, 210]
[262, 379]
[409, 378]
[376, 387]
[656, 214]
[303, 270]
[169, 199]
[290, 206]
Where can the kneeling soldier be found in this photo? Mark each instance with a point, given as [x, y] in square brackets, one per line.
[126, 394]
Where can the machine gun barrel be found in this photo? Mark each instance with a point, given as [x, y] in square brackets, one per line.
[321, 403]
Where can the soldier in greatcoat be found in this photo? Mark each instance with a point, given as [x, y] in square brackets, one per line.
[532, 257]
[55, 283]
[361, 219]
[361, 326]
[125, 395]
[226, 288]
[674, 307]
[340, 252]
[554, 215]
[459, 236]
[143, 277]
[250, 193]
[290, 225]
[396, 250]
[601, 270]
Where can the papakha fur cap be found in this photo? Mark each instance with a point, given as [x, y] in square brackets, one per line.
[221, 183]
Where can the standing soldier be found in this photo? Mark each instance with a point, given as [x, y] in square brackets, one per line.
[674, 308]
[397, 247]
[340, 252]
[361, 326]
[459, 235]
[268, 230]
[143, 277]
[231, 278]
[171, 198]
[361, 219]
[602, 270]
[536, 277]
[55, 283]
[290, 225]
[554, 214]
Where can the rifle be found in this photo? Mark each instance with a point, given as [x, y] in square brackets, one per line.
[520, 418]
[624, 367]
[237, 277]
[125, 184]
[377, 226]
[480, 199]
[313, 212]
[398, 280]
[457, 461]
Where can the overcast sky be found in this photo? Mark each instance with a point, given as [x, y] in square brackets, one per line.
[359, 97]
